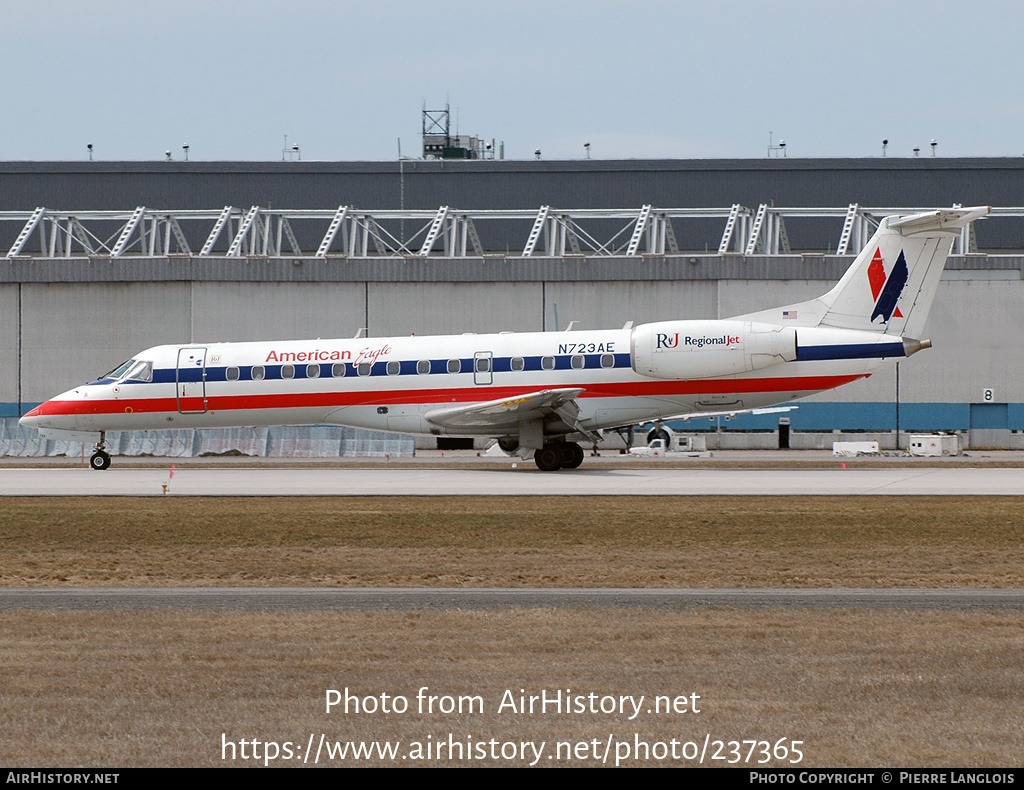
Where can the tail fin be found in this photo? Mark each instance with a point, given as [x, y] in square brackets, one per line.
[890, 286]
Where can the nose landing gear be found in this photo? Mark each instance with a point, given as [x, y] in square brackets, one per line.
[100, 459]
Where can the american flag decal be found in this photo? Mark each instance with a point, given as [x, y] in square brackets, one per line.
[788, 314]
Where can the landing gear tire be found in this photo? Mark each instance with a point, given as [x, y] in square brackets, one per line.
[572, 455]
[548, 458]
[508, 445]
[99, 461]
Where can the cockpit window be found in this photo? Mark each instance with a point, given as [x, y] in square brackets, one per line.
[117, 372]
[140, 371]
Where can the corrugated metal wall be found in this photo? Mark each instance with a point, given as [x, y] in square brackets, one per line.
[924, 181]
[56, 335]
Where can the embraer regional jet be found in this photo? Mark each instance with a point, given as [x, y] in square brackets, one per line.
[537, 393]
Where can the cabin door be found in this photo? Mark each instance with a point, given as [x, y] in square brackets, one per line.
[191, 380]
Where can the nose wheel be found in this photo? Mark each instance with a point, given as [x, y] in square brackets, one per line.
[100, 459]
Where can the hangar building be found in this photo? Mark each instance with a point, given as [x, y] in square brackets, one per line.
[105, 259]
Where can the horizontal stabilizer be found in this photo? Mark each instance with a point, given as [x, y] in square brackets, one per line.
[943, 219]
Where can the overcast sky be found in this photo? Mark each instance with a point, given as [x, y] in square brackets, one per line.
[346, 81]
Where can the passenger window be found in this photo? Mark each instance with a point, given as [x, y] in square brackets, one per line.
[363, 368]
[579, 362]
[231, 374]
[547, 363]
[483, 364]
[312, 371]
[338, 370]
[454, 365]
[518, 363]
[394, 367]
[287, 371]
[607, 360]
[258, 372]
[423, 367]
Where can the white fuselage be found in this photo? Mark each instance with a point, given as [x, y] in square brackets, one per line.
[626, 376]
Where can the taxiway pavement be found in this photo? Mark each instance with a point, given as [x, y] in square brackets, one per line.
[404, 598]
[525, 480]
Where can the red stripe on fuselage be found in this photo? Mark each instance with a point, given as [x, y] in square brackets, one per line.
[298, 400]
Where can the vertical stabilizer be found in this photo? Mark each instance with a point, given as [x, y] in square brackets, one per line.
[889, 288]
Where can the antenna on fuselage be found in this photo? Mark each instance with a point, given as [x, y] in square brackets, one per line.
[361, 332]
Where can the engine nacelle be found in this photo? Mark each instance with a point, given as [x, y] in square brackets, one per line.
[705, 349]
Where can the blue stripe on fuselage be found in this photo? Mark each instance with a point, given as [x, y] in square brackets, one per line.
[851, 351]
[406, 368]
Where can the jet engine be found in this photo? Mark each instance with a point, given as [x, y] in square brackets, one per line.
[705, 349]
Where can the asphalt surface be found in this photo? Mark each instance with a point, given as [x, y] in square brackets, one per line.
[506, 480]
[264, 599]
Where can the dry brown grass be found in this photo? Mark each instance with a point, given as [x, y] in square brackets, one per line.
[499, 541]
[859, 688]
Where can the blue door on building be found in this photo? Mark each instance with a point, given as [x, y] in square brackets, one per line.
[989, 426]
[989, 415]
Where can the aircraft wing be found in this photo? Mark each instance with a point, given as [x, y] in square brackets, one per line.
[506, 414]
[728, 414]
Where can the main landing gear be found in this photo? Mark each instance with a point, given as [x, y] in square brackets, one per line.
[100, 459]
[552, 457]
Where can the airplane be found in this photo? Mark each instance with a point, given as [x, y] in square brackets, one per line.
[538, 393]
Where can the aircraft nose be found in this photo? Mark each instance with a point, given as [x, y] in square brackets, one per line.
[33, 417]
[45, 415]
[59, 415]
